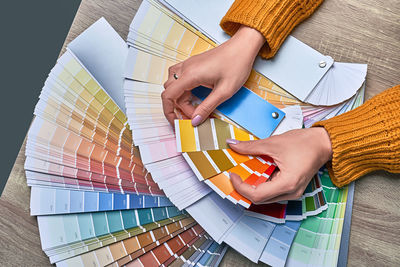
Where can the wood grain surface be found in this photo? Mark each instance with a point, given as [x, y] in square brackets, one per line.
[348, 30]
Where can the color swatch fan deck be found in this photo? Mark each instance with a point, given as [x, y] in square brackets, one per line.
[114, 184]
[207, 153]
[313, 78]
[192, 164]
[95, 202]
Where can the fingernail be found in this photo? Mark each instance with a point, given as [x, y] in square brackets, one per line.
[232, 141]
[196, 120]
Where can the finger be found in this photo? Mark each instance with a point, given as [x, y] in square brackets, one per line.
[292, 191]
[284, 197]
[169, 82]
[262, 193]
[169, 110]
[242, 188]
[185, 104]
[180, 115]
[274, 174]
[257, 147]
[207, 106]
[175, 69]
[170, 95]
[184, 117]
[178, 87]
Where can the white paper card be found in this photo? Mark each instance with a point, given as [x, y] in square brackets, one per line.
[296, 67]
[103, 52]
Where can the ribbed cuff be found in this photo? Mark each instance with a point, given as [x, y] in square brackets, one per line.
[274, 19]
[366, 138]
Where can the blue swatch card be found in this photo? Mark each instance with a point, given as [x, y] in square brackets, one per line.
[47, 201]
[248, 110]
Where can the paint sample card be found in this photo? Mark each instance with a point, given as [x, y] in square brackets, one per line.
[214, 168]
[312, 202]
[136, 246]
[210, 135]
[219, 218]
[198, 254]
[252, 172]
[164, 253]
[274, 212]
[278, 246]
[245, 105]
[61, 230]
[138, 234]
[249, 236]
[213, 255]
[46, 201]
[207, 164]
[193, 251]
[318, 239]
[106, 61]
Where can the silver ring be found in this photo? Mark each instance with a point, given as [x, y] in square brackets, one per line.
[175, 76]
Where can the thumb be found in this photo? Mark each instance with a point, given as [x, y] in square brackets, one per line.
[241, 187]
[209, 104]
[264, 192]
[256, 147]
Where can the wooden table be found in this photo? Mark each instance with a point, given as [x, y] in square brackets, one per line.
[348, 30]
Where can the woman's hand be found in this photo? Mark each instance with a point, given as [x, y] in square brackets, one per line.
[298, 154]
[224, 69]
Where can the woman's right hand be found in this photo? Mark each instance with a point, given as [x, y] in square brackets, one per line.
[299, 154]
[224, 69]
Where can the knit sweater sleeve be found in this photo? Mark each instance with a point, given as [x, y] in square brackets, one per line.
[366, 138]
[275, 19]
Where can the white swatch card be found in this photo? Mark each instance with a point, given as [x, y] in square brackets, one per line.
[296, 67]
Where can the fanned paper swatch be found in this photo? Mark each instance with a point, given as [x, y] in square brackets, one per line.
[96, 203]
[313, 78]
[160, 38]
[110, 187]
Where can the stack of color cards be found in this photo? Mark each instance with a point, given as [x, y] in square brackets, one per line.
[313, 78]
[319, 239]
[95, 203]
[205, 150]
[160, 38]
[101, 201]
[311, 203]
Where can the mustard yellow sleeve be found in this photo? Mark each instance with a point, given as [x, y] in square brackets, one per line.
[275, 19]
[366, 138]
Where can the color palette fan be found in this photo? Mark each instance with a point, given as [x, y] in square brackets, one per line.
[205, 150]
[106, 195]
[299, 69]
[95, 202]
[160, 38]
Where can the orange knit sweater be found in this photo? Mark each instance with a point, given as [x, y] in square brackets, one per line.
[275, 19]
[364, 139]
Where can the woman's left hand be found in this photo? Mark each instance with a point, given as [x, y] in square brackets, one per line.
[224, 69]
[298, 154]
